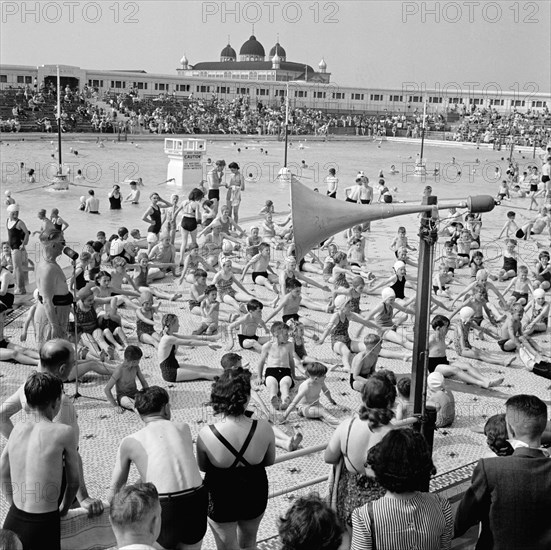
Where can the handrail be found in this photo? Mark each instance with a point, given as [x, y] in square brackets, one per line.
[410, 421]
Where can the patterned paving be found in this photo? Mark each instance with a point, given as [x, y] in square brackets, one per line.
[455, 448]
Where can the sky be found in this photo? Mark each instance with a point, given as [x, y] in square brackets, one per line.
[475, 44]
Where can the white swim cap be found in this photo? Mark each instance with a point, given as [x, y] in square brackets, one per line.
[8, 193]
[83, 198]
[466, 313]
[13, 208]
[227, 246]
[388, 293]
[341, 300]
[481, 275]
[539, 293]
[398, 265]
[435, 381]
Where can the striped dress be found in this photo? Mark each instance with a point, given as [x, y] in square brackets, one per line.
[423, 522]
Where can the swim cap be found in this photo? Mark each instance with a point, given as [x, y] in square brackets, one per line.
[539, 293]
[435, 381]
[341, 300]
[13, 208]
[227, 246]
[466, 313]
[481, 275]
[8, 193]
[388, 293]
[83, 198]
[398, 265]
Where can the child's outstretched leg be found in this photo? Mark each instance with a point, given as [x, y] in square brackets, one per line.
[273, 390]
[187, 372]
[285, 385]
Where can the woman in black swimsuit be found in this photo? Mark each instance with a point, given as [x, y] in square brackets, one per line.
[154, 218]
[234, 453]
[115, 198]
[59, 223]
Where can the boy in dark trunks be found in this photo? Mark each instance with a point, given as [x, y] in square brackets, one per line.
[249, 324]
[278, 358]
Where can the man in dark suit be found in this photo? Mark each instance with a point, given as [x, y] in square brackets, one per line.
[511, 496]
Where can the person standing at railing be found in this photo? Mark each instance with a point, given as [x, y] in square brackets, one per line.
[350, 443]
[234, 453]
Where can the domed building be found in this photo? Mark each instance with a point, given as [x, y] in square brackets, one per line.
[252, 50]
[228, 54]
[253, 64]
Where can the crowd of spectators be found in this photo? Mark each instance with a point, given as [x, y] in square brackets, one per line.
[167, 114]
[491, 127]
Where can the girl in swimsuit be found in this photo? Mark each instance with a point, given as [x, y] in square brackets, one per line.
[341, 342]
[382, 319]
[88, 329]
[397, 281]
[192, 262]
[145, 325]
[224, 281]
[171, 369]
[190, 220]
[143, 276]
[197, 295]
[291, 272]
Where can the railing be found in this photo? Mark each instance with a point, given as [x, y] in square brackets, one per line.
[316, 449]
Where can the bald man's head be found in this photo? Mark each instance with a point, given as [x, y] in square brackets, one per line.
[57, 356]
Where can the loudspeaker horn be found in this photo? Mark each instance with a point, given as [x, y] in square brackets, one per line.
[317, 217]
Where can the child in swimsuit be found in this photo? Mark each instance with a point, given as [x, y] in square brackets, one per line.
[192, 262]
[110, 323]
[249, 323]
[210, 312]
[278, 358]
[145, 325]
[124, 380]
[263, 274]
[307, 400]
[522, 287]
[509, 269]
[87, 326]
[539, 320]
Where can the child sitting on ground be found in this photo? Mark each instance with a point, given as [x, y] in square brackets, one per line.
[210, 312]
[522, 287]
[509, 269]
[145, 326]
[124, 380]
[277, 357]
[307, 400]
[249, 323]
[510, 227]
[440, 398]
[110, 323]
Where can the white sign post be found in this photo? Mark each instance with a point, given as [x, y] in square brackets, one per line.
[185, 161]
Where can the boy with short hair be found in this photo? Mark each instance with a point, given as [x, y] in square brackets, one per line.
[307, 400]
[210, 312]
[35, 515]
[124, 380]
[249, 324]
[278, 358]
[510, 227]
[522, 287]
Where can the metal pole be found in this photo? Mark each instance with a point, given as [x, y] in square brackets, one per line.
[286, 125]
[423, 131]
[428, 235]
[59, 171]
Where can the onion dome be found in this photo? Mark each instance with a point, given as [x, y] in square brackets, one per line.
[228, 54]
[252, 50]
[277, 49]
